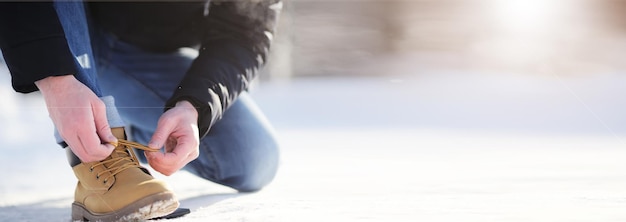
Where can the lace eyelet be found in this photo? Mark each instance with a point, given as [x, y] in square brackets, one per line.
[97, 177]
[104, 182]
[90, 169]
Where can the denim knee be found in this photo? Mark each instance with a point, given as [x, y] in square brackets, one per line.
[252, 173]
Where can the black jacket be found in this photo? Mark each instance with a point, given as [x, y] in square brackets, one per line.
[233, 37]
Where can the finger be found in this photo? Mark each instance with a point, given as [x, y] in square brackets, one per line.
[91, 142]
[85, 157]
[162, 132]
[180, 154]
[80, 135]
[170, 162]
[187, 148]
[94, 148]
[102, 125]
[78, 149]
[164, 159]
[88, 153]
[161, 163]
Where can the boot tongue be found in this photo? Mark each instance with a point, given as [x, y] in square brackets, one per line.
[118, 132]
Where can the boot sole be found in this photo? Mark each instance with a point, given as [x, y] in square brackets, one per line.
[156, 205]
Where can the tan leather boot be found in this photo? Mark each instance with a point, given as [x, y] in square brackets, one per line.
[119, 189]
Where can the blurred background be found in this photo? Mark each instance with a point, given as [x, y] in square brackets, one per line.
[359, 37]
[517, 65]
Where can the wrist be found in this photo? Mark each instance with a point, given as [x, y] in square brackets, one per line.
[48, 83]
[186, 105]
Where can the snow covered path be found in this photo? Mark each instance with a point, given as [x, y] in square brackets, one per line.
[448, 147]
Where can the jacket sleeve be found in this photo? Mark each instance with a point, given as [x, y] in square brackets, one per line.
[235, 46]
[33, 44]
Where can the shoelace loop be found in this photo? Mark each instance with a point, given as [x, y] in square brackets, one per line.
[117, 164]
[131, 144]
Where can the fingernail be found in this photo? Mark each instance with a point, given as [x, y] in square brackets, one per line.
[153, 145]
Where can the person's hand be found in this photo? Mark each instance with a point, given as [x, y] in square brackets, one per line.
[178, 131]
[79, 116]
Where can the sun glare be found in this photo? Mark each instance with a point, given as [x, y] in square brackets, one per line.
[527, 15]
[527, 32]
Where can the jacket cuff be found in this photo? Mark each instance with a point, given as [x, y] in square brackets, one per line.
[52, 58]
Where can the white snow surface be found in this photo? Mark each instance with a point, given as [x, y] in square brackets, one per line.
[449, 146]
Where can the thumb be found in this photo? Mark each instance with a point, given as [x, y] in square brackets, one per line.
[162, 132]
[102, 125]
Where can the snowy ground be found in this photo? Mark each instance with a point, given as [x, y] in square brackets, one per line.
[453, 146]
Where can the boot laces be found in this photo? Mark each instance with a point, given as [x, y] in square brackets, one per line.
[124, 159]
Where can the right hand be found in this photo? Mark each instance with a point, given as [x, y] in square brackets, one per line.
[79, 116]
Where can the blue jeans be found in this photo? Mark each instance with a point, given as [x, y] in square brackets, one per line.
[240, 150]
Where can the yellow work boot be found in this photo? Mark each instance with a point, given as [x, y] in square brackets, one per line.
[118, 188]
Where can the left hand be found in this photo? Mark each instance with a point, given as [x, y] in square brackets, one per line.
[178, 131]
